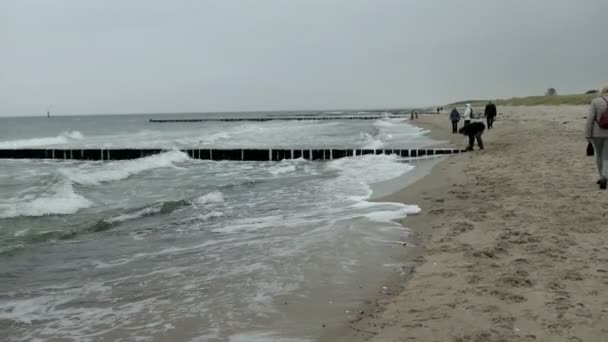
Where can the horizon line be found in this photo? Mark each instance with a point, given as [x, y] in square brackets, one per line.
[43, 115]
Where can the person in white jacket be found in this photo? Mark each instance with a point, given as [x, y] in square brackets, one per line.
[468, 113]
[597, 135]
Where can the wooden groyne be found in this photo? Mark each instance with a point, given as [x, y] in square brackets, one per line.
[287, 118]
[217, 154]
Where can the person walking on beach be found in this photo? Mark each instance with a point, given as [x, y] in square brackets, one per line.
[412, 115]
[490, 113]
[454, 117]
[468, 114]
[474, 131]
[596, 132]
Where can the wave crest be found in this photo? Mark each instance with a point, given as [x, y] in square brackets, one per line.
[62, 201]
[62, 138]
[123, 169]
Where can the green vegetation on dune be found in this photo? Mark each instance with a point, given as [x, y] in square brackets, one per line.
[463, 103]
[556, 100]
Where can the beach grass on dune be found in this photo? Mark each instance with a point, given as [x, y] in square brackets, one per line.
[574, 99]
[556, 100]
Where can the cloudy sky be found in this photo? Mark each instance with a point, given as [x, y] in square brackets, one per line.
[132, 56]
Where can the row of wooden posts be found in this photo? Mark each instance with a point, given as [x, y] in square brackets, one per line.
[237, 154]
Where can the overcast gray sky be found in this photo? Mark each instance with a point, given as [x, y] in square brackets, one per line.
[127, 56]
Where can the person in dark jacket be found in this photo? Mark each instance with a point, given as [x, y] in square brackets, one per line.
[474, 130]
[490, 114]
[454, 117]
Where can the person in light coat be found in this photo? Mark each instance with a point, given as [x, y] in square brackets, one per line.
[597, 135]
[468, 114]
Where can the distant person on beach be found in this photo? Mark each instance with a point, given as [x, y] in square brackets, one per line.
[596, 132]
[414, 113]
[468, 114]
[454, 117]
[490, 113]
[474, 131]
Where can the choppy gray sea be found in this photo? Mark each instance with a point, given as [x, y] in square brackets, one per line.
[168, 248]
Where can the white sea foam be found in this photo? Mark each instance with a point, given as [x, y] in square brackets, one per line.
[393, 132]
[372, 142]
[387, 216]
[60, 315]
[263, 337]
[212, 197]
[76, 135]
[387, 130]
[123, 169]
[286, 223]
[134, 215]
[280, 170]
[207, 216]
[215, 137]
[354, 186]
[21, 232]
[370, 169]
[63, 138]
[389, 123]
[62, 201]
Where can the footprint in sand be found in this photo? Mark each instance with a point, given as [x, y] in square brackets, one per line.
[459, 228]
[573, 275]
[508, 297]
[473, 279]
[519, 278]
[518, 237]
[489, 253]
[437, 211]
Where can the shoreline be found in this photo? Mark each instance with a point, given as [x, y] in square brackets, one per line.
[509, 242]
[362, 327]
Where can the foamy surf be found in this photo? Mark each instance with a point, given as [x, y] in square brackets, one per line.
[212, 197]
[280, 170]
[386, 216]
[182, 250]
[63, 138]
[264, 337]
[61, 201]
[123, 169]
[369, 169]
[134, 215]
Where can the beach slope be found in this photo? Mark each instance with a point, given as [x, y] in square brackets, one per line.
[514, 240]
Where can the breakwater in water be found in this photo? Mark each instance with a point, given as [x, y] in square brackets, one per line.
[218, 154]
[286, 118]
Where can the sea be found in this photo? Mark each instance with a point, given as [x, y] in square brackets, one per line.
[168, 248]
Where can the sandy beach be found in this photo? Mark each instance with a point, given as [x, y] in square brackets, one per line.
[512, 240]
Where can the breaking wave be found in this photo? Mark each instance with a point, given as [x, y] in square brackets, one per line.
[123, 169]
[63, 138]
[62, 201]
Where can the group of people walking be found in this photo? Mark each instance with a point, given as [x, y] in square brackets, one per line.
[596, 130]
[473, 130]
[489, 113]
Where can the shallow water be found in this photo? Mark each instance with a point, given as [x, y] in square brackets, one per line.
[171, 248]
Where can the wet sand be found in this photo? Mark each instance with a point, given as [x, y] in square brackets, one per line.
[513, 240]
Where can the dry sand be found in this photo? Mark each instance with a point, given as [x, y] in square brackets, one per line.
[514, 240]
